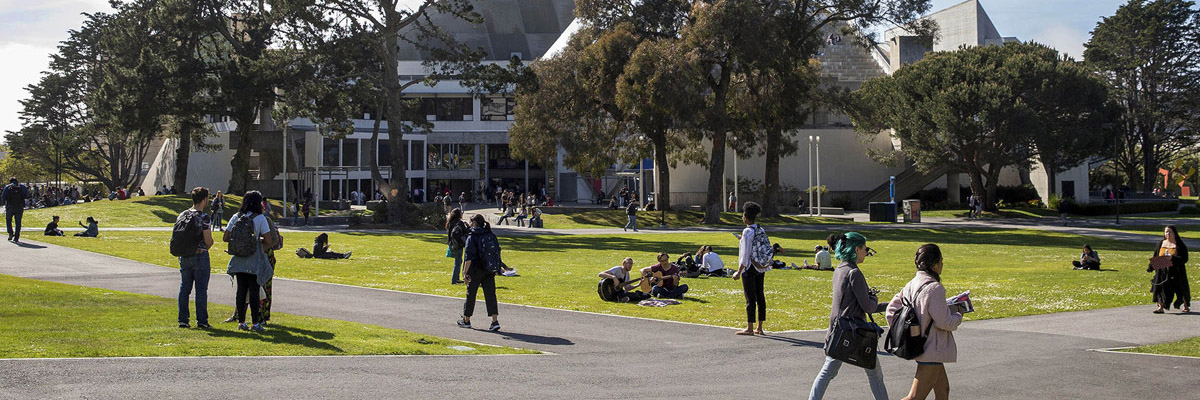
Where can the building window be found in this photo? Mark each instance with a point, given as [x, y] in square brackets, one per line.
[350, 153]
[385, 153]
[416, 158]
[330, 156]
[453, 108]
[496, 108]
[429, 108]
[450, 156]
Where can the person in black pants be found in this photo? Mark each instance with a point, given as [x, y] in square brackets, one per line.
[1089, 259]
[14, 196]
[752, 271]
[476, 274]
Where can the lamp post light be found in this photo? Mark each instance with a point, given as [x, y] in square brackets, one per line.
[811, 203]
[818, 151]
[736, 194]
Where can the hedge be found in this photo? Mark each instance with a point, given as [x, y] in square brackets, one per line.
[1130, 208]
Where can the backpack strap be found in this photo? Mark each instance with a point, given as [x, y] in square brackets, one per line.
[913, 302]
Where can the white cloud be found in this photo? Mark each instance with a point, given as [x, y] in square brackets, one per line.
[24, 68]
[1064, 39]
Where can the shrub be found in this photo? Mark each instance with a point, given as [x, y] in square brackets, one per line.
[1189, 210]
[1133, 208]
[1013, 195]
[842, 202]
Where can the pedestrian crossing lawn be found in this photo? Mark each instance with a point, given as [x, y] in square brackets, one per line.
[1009, 272]
[45, 319]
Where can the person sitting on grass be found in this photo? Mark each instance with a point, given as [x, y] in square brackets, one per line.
[52, 228]
[668, 286]
[688, 265]
[92, 229]
[616, 286]
[710, 262]
[321, 249]
[823, 261]
[1088, 260]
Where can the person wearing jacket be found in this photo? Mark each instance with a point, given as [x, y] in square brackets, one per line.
[752, 272]
[254, 270]
[456, 240]
[631, 212]
[476, 274]
[937, 320]
[1170, 285]
[852, 297]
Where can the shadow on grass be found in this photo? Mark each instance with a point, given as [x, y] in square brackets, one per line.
[283, 334]
[536, 339]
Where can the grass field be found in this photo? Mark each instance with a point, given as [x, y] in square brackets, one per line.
[1186, 347]
[675, 219]
[1189, 233]
[1002, 213]
[46, 319]
[1008, 271]
[145, 211]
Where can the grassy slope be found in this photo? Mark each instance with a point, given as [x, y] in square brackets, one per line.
[143, 211]
[1008, 271]
[674, 219]
[1186, 347]
[45, 319]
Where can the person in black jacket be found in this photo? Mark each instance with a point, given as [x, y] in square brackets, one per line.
[1170, 285]
[321, 249]
[14, 196]
[52, 228]
[631, 212]
[456, 240]
[476, 273]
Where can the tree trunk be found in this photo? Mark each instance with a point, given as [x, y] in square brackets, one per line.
[397, 196]
[182, 155]
[377, 176]
[1051, 177]
[1149, 163]
[716, 165]
[664, 170]
[239, 180]
[993, 180]
[977, 186]
[770, 201]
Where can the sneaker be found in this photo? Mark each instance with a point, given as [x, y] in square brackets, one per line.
[796, 267]
[258, 328]
[348, 255]
[243, 327]
[231, 319]
[495, 326]
[184, 325]
[204, 326]
[462, 323]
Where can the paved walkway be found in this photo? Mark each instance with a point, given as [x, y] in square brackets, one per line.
[593, 356]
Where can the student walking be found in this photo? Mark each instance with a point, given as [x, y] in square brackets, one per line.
[1170, 285]
[190, 241]
[14, 196]
[852, 297]
[456, 241]
[218, 210]
[631, 212]
[937, 322]
[754, 260]
[481, 263]
[248, 235]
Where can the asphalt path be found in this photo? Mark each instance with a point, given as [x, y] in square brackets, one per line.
[588, 355]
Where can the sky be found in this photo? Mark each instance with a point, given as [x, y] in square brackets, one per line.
[30, 31]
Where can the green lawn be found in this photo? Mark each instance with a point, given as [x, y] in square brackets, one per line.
[1002, 213]
[1185, 347]
[674, 219]
[1008, 271]
[145, 211]
[46, 319]
[1187, 232]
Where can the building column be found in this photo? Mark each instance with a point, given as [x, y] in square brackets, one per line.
[953, 190]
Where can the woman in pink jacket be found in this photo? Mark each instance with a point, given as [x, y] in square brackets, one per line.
[937, 321]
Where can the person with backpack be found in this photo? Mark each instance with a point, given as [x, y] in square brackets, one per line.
[249, 237]
[456, 241]
[14, 196]
[853, 298]
[190, 240]
[754, 260]
[925, 297]
[481, 263]
[631, 212]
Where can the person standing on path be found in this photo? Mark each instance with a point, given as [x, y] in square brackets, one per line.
[1170, 285]
[753, 264]
[852, 297]
[937, 321]
[265, 304]
[482, 260]
[631, 212]
[456, 241]
[218, 210]
[732, 203]
[249, 229]
[195, 269]
[14, 196]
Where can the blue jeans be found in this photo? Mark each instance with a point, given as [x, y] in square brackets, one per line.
[9, 215]
[195, 271]
[458, 254]
[676, 293]
[830, 371]
[632, 223]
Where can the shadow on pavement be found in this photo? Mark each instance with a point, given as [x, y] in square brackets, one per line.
[30, 245]
[794, 342]
[535, 339]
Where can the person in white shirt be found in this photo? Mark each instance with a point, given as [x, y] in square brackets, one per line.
[710, 262]
[751, 271]
[618, 278]
[822, 259]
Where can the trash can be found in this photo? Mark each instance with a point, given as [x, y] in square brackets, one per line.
[882, 212]
[912, 211]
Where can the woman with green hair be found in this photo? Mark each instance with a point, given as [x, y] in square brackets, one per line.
[852, 297]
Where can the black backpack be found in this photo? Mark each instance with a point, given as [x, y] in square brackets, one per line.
[457, 238]
[488, 249]
[901, 341]
[186, 236]
[243, 241]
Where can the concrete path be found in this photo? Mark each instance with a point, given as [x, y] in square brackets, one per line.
[592, 355]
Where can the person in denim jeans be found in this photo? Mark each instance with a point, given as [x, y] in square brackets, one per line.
[195, 270]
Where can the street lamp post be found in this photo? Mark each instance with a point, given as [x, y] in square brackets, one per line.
[818, 175]
[285, 174]
[736, 193]
[810, 176]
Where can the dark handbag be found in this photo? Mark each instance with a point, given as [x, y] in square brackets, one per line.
[854, 340]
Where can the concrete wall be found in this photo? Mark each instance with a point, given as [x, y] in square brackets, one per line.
[1078, 175]
[845, 167]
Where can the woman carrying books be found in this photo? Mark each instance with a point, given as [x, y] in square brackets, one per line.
[1170, 283]
[937, 321]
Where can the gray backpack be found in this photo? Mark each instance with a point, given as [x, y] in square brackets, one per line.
[243, 240]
